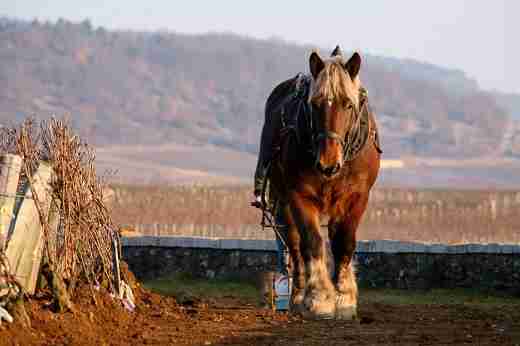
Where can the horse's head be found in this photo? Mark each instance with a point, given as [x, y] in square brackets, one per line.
[334, 97]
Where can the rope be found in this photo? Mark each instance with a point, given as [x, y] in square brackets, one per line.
[268, 215]
[16, 195]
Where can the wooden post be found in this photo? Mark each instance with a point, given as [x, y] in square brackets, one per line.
[25, 246]
[10, 166]
[54, 221]
[265, 285]
[116, 271]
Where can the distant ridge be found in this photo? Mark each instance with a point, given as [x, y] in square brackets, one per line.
[124, 88]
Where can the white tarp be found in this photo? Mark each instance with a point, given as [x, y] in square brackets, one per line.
[24, 249]
[9, 174]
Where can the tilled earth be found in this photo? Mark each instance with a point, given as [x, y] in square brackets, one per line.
[162, 321]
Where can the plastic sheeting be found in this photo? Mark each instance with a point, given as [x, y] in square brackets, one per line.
[24, 249]
[9, 174]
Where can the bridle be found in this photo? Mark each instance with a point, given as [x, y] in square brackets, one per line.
[345, 142]
[350, 143]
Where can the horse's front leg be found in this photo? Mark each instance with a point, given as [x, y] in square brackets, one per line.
[320, 295]
[342, 234]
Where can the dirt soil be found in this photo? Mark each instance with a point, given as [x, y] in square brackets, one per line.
[161, 320]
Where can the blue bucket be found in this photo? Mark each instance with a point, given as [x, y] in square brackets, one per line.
[282, 289]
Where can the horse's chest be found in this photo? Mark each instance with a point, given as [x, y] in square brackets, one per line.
[336, 196]
[332, 196]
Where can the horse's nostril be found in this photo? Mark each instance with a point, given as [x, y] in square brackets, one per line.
[328, 171]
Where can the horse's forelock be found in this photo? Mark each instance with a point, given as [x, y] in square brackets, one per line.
[334, 83]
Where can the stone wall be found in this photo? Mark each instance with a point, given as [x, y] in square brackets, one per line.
[380, 263]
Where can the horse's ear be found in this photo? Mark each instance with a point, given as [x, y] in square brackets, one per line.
[337, 51]
[353, 65]
[316, 64]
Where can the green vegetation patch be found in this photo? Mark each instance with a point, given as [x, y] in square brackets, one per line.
[183, 285]
[437, 296]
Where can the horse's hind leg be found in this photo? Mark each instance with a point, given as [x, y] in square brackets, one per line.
[342, 235]
[298, 268]
[320, 295]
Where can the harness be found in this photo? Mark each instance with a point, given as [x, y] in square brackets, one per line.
[353, 142]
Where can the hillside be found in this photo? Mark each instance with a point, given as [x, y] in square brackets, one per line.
[510, 103]
[154, 89]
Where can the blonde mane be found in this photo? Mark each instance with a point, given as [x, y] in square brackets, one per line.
[334, 84]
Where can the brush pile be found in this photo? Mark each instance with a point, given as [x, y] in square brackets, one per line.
[79, 240]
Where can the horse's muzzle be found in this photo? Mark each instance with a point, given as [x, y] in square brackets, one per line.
[328, 171]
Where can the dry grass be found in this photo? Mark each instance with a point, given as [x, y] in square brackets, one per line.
[447, 216]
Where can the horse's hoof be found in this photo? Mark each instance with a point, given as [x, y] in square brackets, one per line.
[318, 314]
[296, 305]
[297, 309]
[322, 309]
[346, 308]
[347, 313]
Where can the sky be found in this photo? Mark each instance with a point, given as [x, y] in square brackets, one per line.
[475, 36]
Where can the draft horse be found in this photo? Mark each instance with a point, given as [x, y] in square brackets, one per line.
[326, 163]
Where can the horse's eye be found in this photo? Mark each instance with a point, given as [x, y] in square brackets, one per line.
[347, 104]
